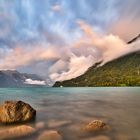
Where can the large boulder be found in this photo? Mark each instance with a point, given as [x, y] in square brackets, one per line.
[16, 112]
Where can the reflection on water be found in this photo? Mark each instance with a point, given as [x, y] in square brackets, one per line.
[67, 109]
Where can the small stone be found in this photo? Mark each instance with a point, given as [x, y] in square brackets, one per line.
[96, 125]
[16, 112]
[16, 132]
[50, 135]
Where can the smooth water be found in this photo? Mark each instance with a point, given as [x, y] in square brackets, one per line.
[68, 109]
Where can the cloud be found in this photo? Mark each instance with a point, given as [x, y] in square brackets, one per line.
[34, 82]
[56, 8]
[59, 66]
[35, 39]
[126, 28]
[88, 50]
[72, 59]
[126, 24]
[77, 66]
[20, 56]
[111, 46]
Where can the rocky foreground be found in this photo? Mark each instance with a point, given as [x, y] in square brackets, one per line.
[20, 112]
[16, 112]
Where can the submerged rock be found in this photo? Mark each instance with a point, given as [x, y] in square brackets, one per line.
[96, 125]
[16, 112]
[120, 136]
[50, 135]
[16, 132]
[57, 123]
[99, 138]
[40, 125]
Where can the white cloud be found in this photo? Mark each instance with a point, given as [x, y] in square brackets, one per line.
[34, 82]
[72, 59]
[76, 67]
[90, 49]
[56, 8]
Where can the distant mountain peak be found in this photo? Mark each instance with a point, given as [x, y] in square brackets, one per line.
[13, 78]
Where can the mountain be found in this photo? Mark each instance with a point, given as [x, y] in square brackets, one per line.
[124, 71]
[13, 78]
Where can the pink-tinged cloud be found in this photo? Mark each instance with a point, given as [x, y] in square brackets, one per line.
[90, 49]
[126, 28]
[20, 56]
[76, 67]
[73, 59]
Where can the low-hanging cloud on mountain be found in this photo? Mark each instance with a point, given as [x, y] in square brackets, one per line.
[92, 48]
[126, 25]
[60, 40]
[73, 59]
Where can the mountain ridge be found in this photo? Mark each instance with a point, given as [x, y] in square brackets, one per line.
[123, 71]
[13, 78]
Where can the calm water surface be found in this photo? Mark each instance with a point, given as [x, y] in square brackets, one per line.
[68, 109]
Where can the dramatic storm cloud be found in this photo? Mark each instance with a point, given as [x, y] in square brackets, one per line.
[61, 39]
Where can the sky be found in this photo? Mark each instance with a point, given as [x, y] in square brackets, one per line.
[61, 39]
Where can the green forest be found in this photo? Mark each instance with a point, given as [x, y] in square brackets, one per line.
[124, 71]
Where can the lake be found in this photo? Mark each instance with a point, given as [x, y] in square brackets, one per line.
[68, 109]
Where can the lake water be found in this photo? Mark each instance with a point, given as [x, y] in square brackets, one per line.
[68, 109]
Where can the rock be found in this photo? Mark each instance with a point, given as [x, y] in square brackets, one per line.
[16, 132]
[99, 138]
[124, 137]
[16, 112]
[50, 135]
[96, 125]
